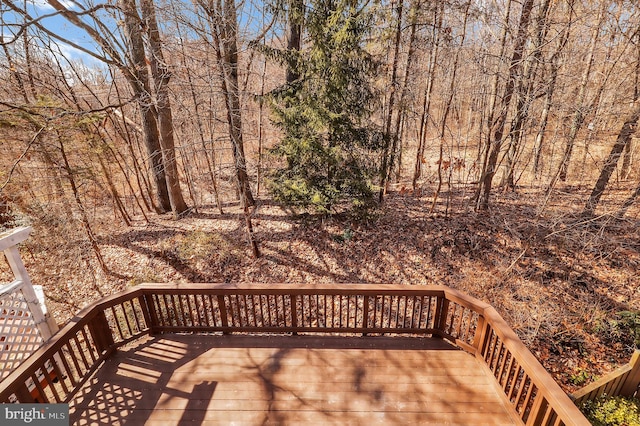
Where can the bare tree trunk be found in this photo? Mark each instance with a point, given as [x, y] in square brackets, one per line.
[629, 202]
[551, 86]
[135, 73]
[201, 131]
[83, 212]
[497, 129]
[628, 129]
[525, 95]
[224, 23]
[426, 103]
[580, 113]
[260, 126]
[594, 106]
[390, 140]
[400, 116]
[402, 131]
[485, 148]
[28, 62]
[628, 148]
[141, 87]
[161, 77]
[447, 108]
[13, 69]
[296, 14]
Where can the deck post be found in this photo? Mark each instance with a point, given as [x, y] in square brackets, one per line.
[538, 411]
[294, 312]
[149, 312]
[480, 337]
[365, 314]
[440, 321]
[223, 313]
[630, 386]
[101, 333]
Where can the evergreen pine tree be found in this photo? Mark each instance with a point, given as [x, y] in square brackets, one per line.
[328, 145]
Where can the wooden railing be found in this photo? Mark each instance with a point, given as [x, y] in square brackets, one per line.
[79, 348]
[625, 381]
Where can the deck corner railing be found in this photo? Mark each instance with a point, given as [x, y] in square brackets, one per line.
[625, 381]
[57, 370]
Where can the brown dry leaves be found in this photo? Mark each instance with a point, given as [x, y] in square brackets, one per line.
[559, 283]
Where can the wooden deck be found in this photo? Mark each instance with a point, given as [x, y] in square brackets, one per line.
[233, 379]
[446, 358]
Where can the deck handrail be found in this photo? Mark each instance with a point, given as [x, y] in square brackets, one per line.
[624, 381]
[357, 309]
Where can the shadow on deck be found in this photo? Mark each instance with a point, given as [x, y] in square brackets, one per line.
[186, 379]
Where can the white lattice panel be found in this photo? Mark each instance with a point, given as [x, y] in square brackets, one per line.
[19, 333]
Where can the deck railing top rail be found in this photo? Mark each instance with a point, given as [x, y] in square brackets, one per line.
[58, 369]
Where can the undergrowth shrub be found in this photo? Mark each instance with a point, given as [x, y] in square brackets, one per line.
[612, 411]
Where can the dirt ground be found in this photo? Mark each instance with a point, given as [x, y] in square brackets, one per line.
[568, 286]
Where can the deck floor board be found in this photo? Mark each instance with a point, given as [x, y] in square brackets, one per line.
[246, 380]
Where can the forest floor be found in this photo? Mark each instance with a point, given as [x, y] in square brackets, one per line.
[562, 283]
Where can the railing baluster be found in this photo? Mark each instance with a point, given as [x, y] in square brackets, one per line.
[192, 322]
[89, 347]
[212, 311]
[136, 324]
[527, 407]
[50, 385]
[279, 311]
[245, 302]
[325, 323]
[261, 306]
[184, 314]
[116, 321]
[294, 312]
[197, 302]
[509, 370]
[40, 395]
[525, 383]
[459, 321]
[471, 319]
[59, 374]
[440, 315]
[422, 304]
[66, 367]
[148, 311]
[170, 301]
[506, 355]
[74, 358]
[517, 380]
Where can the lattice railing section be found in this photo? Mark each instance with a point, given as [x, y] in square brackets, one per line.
[60, 368]
[19, 333]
